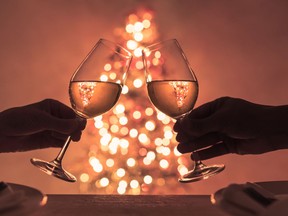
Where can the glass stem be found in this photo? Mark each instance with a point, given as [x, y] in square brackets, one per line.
[197, 162]
[60, 156]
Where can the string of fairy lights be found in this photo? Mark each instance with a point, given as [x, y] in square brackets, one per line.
[132, 148]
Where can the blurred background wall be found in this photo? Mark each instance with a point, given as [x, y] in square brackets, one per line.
[237, 48]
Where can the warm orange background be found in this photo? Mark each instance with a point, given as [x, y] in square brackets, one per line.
[237, 48]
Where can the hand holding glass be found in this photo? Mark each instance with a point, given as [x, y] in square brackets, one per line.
[173, 89]
[94, 89]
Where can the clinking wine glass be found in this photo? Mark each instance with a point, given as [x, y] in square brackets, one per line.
[173, 89]
[94, 89]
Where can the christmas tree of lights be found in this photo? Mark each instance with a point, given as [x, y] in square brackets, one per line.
[132, 149]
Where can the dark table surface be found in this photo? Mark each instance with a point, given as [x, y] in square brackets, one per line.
[129, 205]
[119, 205]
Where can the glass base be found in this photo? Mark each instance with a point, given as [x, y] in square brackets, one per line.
[201, 172]
[53, 168]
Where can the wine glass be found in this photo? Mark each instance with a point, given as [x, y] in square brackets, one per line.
[173, 89]
[94, 89]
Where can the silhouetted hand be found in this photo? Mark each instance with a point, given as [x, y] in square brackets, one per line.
[231, 125]
[40, 125]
